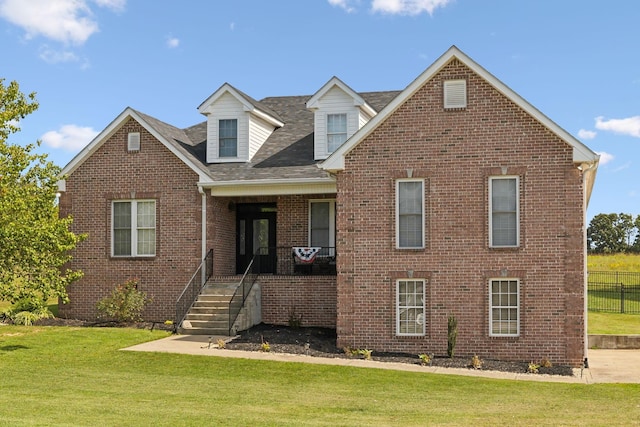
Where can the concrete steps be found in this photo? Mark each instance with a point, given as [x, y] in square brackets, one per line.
[210, 312]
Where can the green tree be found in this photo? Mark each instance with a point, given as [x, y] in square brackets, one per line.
[34, 241]
[605, 235]
[636, 244]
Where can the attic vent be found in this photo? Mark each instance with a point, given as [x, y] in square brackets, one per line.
[133, 143]
[455, 94]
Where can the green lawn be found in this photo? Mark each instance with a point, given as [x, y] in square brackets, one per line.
[613, 323]
[76, 376]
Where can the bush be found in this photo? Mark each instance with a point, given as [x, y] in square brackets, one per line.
[26, 312]
[125, 304]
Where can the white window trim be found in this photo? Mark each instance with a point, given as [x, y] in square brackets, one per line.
[424, 310]
[346, 128]
[491, 306]
[397, 212]
[237, 156]
[332, 221]
[491, 179]
[134, 228]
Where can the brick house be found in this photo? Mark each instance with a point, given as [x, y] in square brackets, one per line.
[379, 214]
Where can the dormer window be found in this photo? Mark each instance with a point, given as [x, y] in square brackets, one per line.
[336, 131]
[228, 137]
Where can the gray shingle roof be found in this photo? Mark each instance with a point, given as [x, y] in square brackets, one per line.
[287, 153]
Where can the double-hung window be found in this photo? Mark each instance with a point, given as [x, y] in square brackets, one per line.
[228, 137]
[410, 214]
[134, 228]
[322, 225]
[504, 212]
[410, 303]
[336, 131]
[504, 310]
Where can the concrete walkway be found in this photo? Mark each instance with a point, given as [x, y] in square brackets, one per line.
[605, 366]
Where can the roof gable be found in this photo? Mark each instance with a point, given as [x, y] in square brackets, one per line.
[358, 101]
[248, 104]
[166, 134]
[335, 162]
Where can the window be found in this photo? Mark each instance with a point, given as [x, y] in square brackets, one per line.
[504, 311]
[134, 228]
[410, 299]
[336, 131]
[228, 137]
[322, 224]
[455, 94]
[504, 221]
[409, 214]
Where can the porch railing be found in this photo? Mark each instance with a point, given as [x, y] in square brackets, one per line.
[322, 263]
[240, 295]
[193, 288]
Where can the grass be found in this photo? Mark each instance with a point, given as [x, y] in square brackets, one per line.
[616, 262]
[613, 323]
[76, 376]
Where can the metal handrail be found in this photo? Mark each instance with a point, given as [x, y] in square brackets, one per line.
[246, 284]
[194, 288]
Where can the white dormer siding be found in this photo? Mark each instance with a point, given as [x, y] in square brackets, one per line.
[227, 107]
[253, 126]
[335, 101]
[259, 131]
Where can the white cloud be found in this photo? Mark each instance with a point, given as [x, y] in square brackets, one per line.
[407, 7]
[344, 4]
[628, 126]
[232, 26]
[586, 134]
[116, 5]
[53, 56]
[67, 21]
[69, 137]
[605, 157]
[623, 167]
[173, 42]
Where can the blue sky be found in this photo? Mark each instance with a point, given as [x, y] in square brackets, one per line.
[576, 61]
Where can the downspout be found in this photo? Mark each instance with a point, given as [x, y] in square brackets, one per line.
[203, 230]
[586, 169]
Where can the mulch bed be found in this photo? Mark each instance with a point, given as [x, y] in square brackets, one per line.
[321, 342]
[318, 342]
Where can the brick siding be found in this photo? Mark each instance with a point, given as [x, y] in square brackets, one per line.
[455, 152]
[113, 173]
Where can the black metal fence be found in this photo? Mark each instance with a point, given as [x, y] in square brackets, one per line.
[613, 291]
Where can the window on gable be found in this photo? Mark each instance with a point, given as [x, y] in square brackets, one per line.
[134, 228]
[228, 137]
[504, 215]
[410, 307]
[455, 94]
[410, 214]
[504, 310]
[322, 225]
[336, 131]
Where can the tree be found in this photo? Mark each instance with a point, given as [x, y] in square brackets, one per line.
[35, 241]
[605, 234]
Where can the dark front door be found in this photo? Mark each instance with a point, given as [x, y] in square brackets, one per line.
[256, 234]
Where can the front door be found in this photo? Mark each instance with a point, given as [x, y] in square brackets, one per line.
[256, 234]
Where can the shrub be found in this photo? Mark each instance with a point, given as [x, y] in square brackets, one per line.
[366, 354]
[125, 304]
[452, 334]
[476, 362]
[26, 312]
[425, 359]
